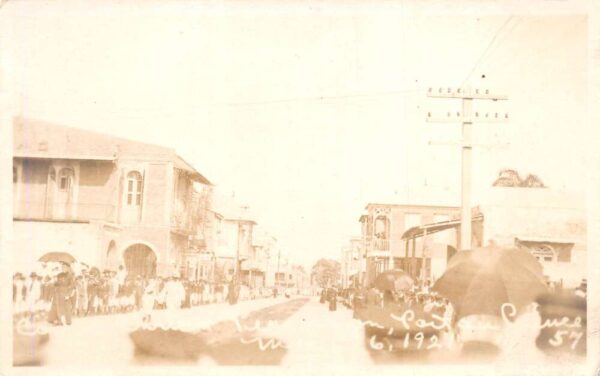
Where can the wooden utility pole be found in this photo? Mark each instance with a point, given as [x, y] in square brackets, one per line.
[277, 275]
[467, 118]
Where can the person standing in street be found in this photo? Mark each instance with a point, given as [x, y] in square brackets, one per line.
[113, 291]
[332, 299]
[175, 295]
[232, 292]
[64, 294]
[81, 293]
[121, 276]
[138, 291]
[92, 293]
[149, 299]
[34, 295]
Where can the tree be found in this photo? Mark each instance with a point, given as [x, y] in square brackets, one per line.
[326, 271]
[508, 178]
[511, 178]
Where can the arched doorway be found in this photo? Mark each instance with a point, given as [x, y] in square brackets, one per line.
[140, 260]
[112, 258]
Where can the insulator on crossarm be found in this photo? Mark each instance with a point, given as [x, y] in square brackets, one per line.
[429, 91]
[458, 114]
[476, 91]
[449, 90]
[506, 116]
[496, 114]
[487, 91]
[429, 114]
[477, 114]
[458, 90]
[439, 90]
[486, 114]
[448, 114]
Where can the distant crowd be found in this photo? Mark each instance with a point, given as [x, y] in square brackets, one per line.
[60, 295]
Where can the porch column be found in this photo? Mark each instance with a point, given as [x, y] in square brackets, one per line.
[412, 257]
[423, 253]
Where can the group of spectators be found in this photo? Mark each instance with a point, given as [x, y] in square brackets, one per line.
[65, 293]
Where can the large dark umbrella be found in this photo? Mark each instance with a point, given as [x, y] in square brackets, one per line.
[63, 257]
[479, 282]
[395, 279]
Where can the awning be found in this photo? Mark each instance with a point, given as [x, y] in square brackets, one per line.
[194, 175]
[432, 228]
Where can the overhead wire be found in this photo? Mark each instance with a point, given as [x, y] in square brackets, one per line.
[487, 49]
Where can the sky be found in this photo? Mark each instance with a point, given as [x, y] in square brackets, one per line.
[309, 112]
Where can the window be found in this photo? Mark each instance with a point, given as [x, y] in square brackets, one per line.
[134, 188]
[544, 253]
[65, 179]
[382, 227]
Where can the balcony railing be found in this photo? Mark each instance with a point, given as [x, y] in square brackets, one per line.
[181, 221]
[381, 244]
[40, 211]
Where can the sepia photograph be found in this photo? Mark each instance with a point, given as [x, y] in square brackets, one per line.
[296, 184]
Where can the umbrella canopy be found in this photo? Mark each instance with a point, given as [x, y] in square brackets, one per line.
[58, 257]
[478, 282]
[395, 279]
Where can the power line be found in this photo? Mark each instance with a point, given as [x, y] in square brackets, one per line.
[487, 49]
[201, 106]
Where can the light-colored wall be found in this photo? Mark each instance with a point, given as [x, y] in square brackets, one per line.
[528, 213]
[33, 239]
[155, 187]
[31, 186]
[98, 190]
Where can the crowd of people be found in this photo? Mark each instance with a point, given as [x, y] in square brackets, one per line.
[419, 295]
[61, 292]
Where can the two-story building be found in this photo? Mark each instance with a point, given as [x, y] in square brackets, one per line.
[550, 224]
[231, 236]
[105, 200]
[351, 263]
[255, 269]
[383, 246]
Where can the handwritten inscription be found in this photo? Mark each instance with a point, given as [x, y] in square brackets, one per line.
[567, 329]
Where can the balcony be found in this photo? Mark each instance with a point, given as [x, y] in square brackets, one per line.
[380, 244]
[85, 212]
[254, 265]
[182, 222]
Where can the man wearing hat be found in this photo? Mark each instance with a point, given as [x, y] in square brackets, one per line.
[82, 296]
[34, 293]
[64, 294]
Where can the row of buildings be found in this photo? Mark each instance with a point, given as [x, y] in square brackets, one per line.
[421, 239]
[109, 201]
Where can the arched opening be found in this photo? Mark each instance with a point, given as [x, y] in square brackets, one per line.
[140, 260]
[382, 233]
[382, 227]
[544, 253]
[112, 258]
